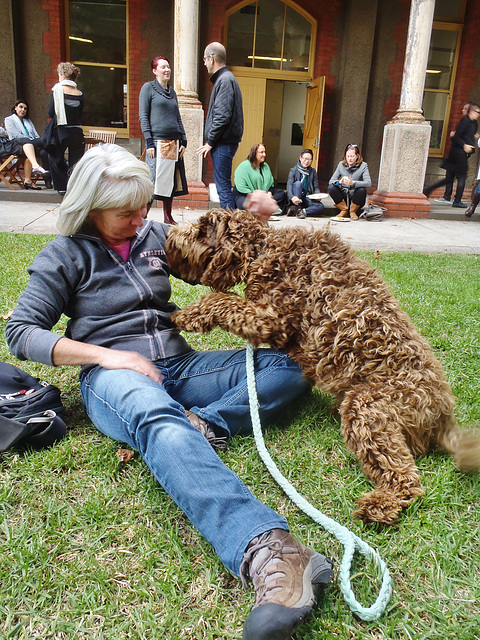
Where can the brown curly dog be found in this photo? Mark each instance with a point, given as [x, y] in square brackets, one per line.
[308, 294]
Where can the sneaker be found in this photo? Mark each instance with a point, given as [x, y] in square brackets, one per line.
[217, 442]
[442, 201]
[301, 214]
[459, 205]
[287, 577]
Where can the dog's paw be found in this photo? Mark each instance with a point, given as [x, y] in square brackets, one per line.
[377, 506]
[189, 319]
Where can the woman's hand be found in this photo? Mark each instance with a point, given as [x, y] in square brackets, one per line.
[73, 352]
[181, 152]
[116, 359]
[261, 204]
[151, 152]
[295, 200]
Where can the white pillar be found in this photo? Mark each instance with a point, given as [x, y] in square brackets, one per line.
[186, 59]
[416, 59]
[406, 138]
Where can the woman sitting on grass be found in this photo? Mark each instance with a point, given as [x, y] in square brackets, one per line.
[142, 384]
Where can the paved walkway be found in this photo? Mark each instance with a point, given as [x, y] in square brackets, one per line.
[392, 234]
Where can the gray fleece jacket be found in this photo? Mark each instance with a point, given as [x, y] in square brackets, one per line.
[109, 302]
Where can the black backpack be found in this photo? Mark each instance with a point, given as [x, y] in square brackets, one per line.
[30, 410]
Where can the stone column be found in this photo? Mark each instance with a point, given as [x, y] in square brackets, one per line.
[8, 94]
[406, 137]
[186, 60]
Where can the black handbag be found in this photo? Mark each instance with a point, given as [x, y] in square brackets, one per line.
[50, 136]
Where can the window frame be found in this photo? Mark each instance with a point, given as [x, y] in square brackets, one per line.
[122, 132]
[272, 74]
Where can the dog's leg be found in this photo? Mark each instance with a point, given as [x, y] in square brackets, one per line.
[233, 313]
[372, 428]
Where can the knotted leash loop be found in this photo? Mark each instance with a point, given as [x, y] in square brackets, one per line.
[348, 539]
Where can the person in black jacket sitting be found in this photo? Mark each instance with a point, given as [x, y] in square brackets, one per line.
[303, 182]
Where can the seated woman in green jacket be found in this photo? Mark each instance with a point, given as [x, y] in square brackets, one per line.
[254, 173]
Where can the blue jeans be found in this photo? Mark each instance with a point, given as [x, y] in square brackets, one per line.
[149, 417]
[311, 208]
[222, 158]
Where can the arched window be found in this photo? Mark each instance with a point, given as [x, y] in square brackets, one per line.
[271, 36]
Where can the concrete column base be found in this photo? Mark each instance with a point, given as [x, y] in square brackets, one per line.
[402, 169]
[192, 118]
[402, 205]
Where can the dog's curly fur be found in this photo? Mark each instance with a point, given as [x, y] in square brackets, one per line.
[308, 294]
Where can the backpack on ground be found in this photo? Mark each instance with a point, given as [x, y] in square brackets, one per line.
[30, 410]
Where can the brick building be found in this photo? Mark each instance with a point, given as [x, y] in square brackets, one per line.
[320, 73]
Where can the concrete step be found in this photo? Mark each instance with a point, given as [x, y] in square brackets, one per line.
[24, 195]
[438, 211]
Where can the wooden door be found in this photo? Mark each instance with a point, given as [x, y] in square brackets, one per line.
[313, 117]
[253, 96]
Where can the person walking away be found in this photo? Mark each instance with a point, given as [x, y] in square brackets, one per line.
[66, 106]
[456, 165]
[470, 210]
[224, 122]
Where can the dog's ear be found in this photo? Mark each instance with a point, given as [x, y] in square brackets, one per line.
[234, 238]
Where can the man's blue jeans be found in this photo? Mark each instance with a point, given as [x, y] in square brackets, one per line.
[311, 208]
[149, 417]
[222, 157]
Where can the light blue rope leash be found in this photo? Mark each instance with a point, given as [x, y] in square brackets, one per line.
[349, 540]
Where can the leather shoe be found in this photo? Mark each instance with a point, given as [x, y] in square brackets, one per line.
[29, 185]
[459, 205]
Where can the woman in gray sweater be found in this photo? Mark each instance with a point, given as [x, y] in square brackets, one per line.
[349, 183]
[165, 137]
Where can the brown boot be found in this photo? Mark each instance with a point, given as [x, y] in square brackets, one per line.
[470, 210]
[353, 211]
[287, 577]
[217, 442]
[167, 212]
[342, 205]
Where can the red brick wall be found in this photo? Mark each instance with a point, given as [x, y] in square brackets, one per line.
[137, 51]
[54, 39]
[395, 68]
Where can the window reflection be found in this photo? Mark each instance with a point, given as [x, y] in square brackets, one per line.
[98, 46]
[441, 59]
[269, 34]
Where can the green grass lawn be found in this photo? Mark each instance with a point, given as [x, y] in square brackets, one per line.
[93, 548]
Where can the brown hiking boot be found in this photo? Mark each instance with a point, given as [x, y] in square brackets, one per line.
[287, 577]
[217, 442]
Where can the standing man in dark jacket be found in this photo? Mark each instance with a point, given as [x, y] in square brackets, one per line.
[224, 123]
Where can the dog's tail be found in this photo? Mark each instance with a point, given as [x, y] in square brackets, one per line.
[463, 444]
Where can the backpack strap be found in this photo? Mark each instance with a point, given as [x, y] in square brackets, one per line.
[39, 431]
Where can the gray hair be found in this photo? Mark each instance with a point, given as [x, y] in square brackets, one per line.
[106, 177]
[216, 50]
